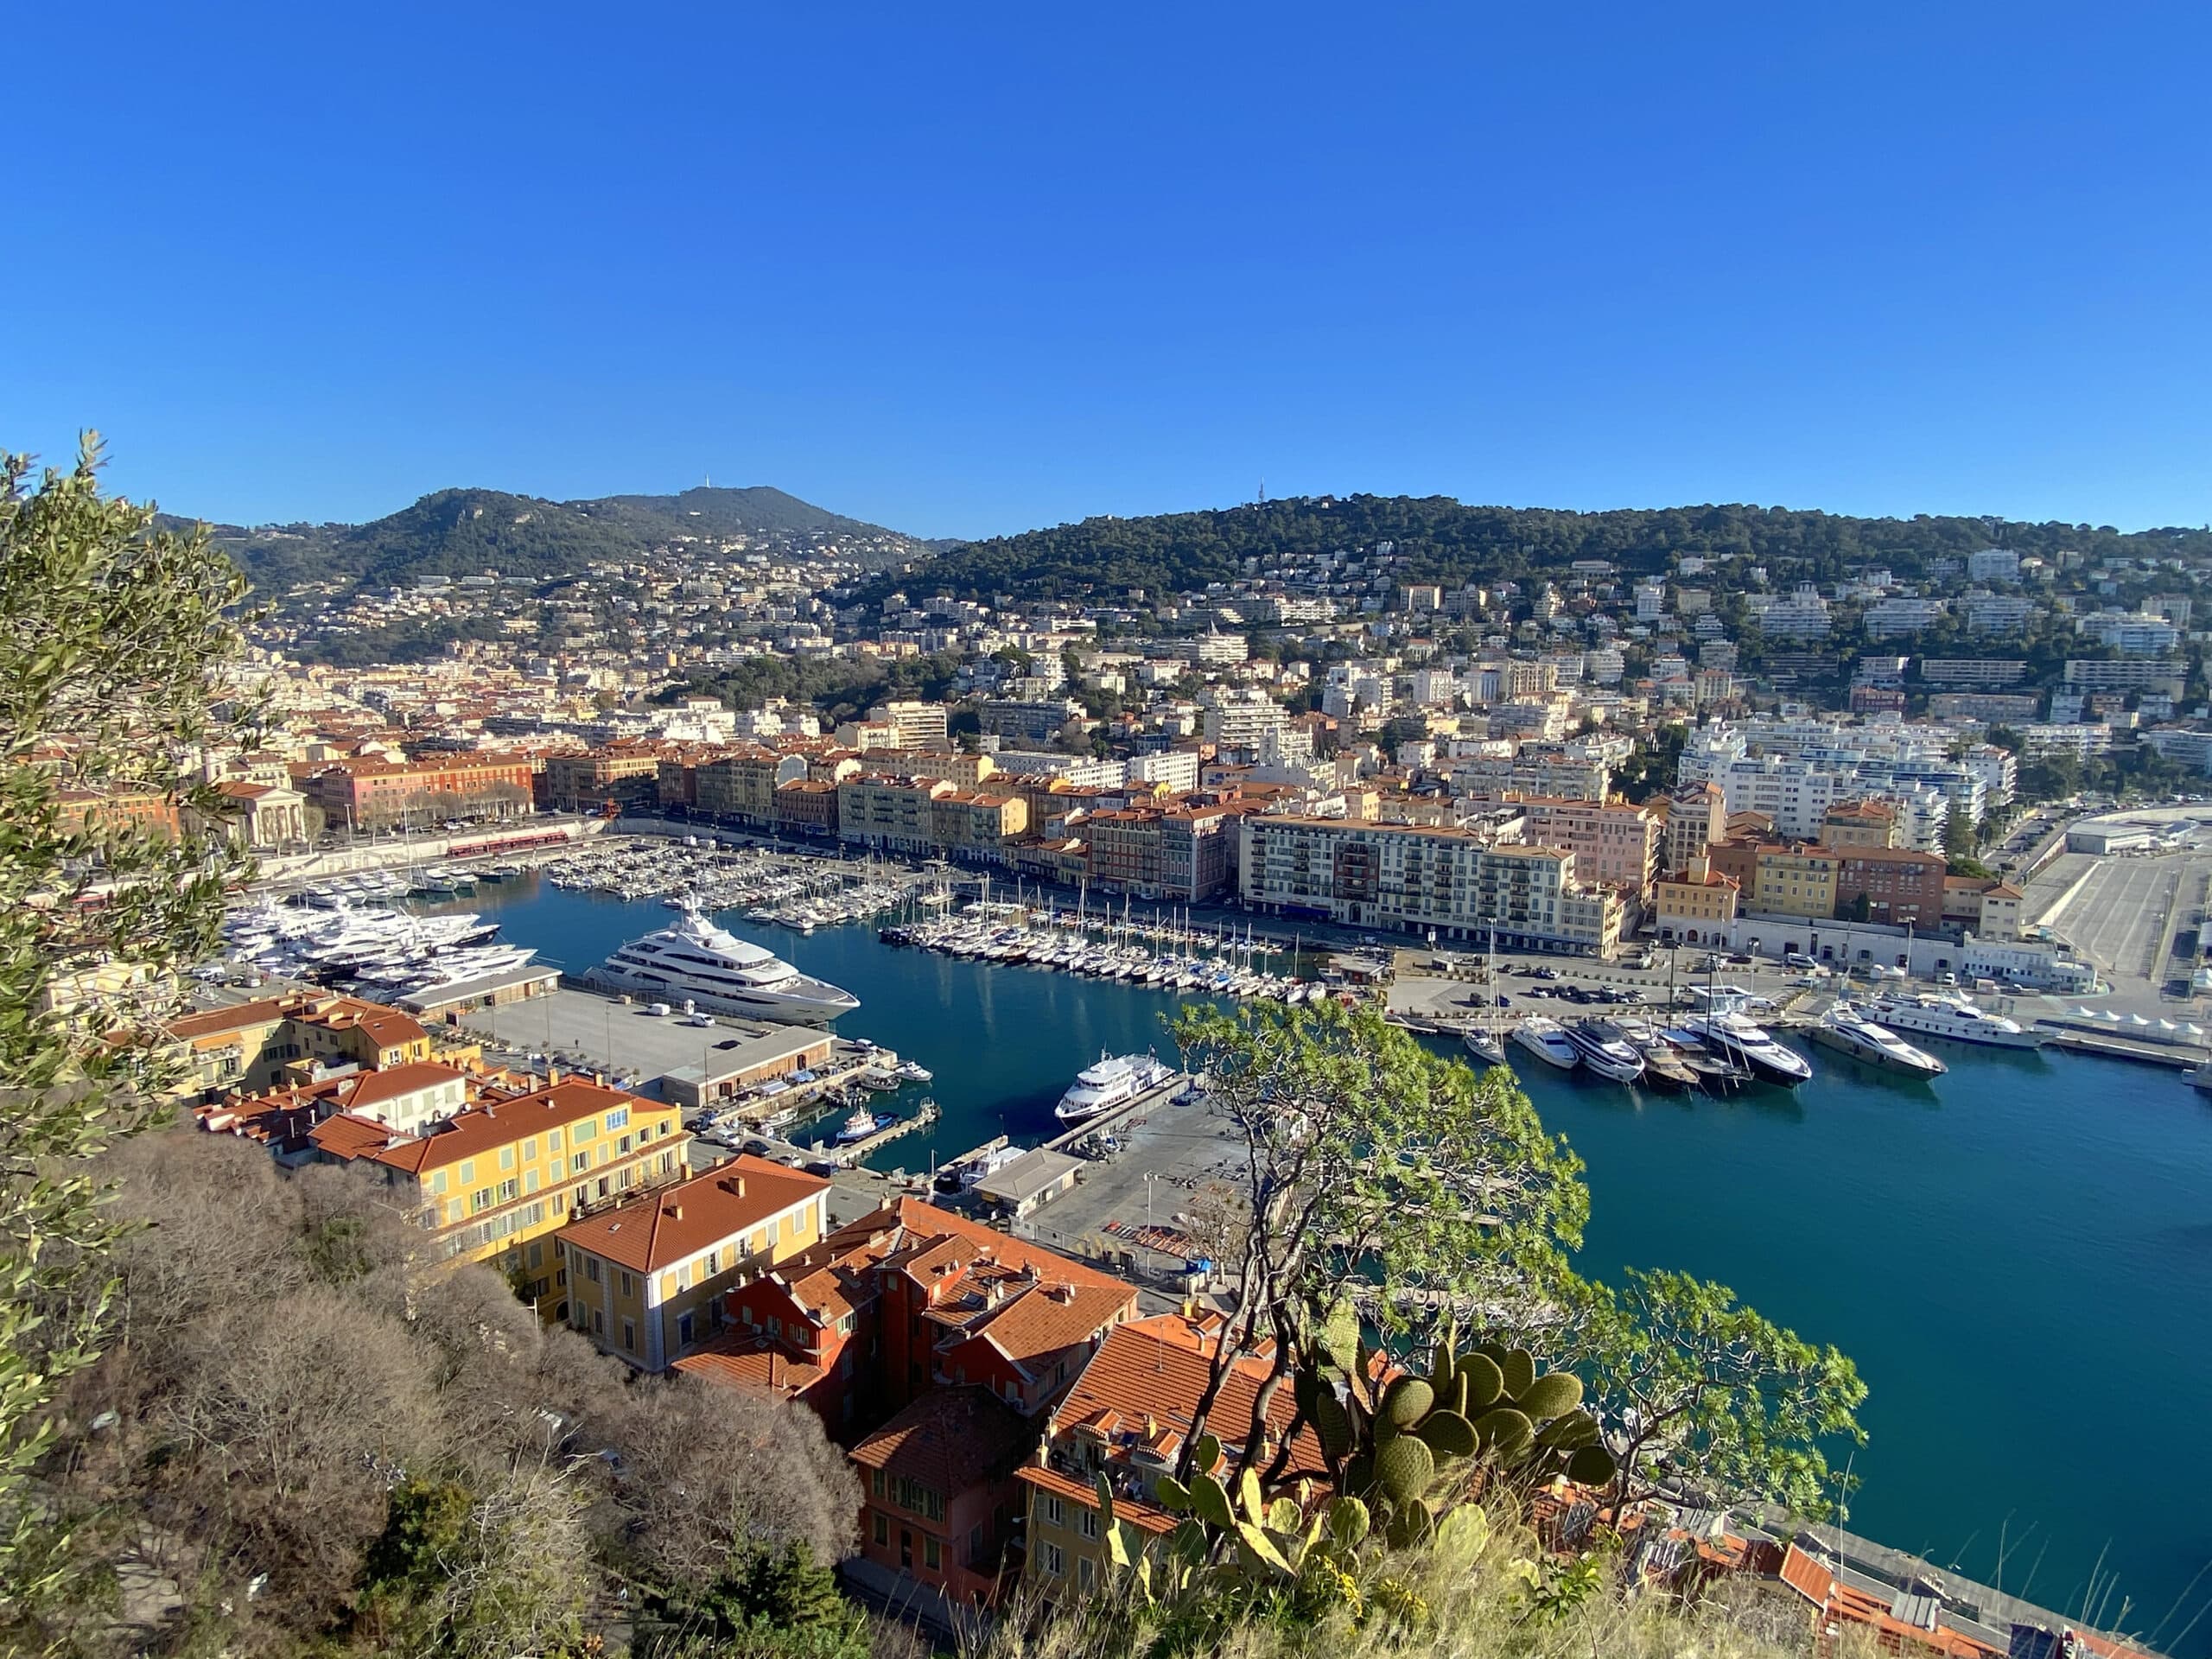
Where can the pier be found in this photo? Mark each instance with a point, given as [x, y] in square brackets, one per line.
[846, 1156]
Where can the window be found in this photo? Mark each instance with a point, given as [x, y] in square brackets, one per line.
[1083, 1570]
[530, 1180]
[581, 1162]
[1055, 1563]
[553, 1141]
[922, 1500]
[480, 1199]
[1086, 1522]
[932, 1557]
[712, 1258]
[537, 1257]
[622, 1147]
[683, 1330]
[626, 1285]
[630, 1335]
[468, 1171]
[507, 1191]
[683, 1278]
[619, 1118]
[591, 1269]
[879, 1484]
[437, 1180]
[529, 1148]
[882, 1530]
[1056, 1513]
[507, 1157]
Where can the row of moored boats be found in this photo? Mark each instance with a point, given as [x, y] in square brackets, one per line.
[1724, 1048]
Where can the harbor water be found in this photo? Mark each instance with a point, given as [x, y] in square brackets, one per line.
[2018, 1255]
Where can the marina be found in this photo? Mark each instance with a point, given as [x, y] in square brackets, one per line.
[2026, 1202]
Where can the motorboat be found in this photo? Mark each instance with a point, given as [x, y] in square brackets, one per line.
[862, 1123]
[1113, 1082]
[1665, 1066]
[716, 971]
[1956, 1018]
[1844, 1029]
[1601, 1047]
[1737, 1038]
[1547, 1040]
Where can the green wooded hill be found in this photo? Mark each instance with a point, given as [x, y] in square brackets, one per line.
[1439, 539]
[464, 532]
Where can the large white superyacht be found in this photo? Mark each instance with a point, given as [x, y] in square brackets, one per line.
[710, 966]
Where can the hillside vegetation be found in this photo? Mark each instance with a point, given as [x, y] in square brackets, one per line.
[463, 531]
[1439, 539]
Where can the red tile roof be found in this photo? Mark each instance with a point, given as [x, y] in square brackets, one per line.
[950, 1439]
[676, 1222]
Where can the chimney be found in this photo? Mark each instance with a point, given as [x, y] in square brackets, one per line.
[552, 1076]
[676, 1213]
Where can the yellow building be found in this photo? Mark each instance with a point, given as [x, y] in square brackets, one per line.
[1795, 881]
[249, 1046]
[646, 1279]
[1696, 906]
[493, 1180]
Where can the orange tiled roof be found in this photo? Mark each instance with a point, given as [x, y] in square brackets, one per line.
[751, 1360]
[692, 1216]
[949, 1440]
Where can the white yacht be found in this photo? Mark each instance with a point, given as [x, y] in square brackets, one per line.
[1954, 1017]
[714, 969]
[1547, 1039]
[1845, 1030]
[1737, 1038]
[1110, 1083]
[1605, 1050]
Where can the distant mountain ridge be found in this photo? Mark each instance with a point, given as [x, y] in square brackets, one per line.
[459, 532]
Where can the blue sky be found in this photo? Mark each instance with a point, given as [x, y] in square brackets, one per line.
[968, 268]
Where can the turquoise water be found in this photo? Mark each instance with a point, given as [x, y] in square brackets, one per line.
[2018, 1256]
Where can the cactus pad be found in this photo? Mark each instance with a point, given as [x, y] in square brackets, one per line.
[1552, 1395]
[1448, 1434]
[1404, 1468]
[1407, 1402]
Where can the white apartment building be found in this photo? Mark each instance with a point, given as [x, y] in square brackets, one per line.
[1802, 615]
[2129, 633]
[1171, 769]
[2073, 739]
[1888, 618]
[2183, 747]
[919, 725]
[1994, 564]
[2165, 679]
[1998, 614]
[1421, 879]
[1239, 716]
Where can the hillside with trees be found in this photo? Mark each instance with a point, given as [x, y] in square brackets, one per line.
[1439, 539]
[459, 532]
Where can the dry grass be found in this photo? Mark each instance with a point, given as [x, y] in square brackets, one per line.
[1478, 1606]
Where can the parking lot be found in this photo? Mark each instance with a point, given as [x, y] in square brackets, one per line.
[2125, 913]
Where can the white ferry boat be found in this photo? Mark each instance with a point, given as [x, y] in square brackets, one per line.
[1955, 1017]
[1111, 1083]
[1844, 1029]
[1547, 1039]
[1737, 1038]
[714, 969]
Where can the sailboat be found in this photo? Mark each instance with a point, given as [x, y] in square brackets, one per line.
[1488, 1045]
